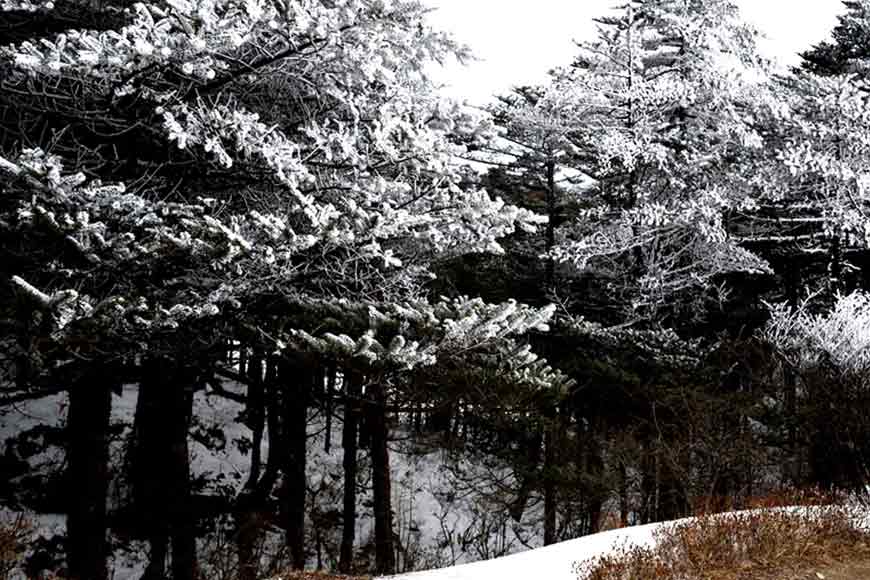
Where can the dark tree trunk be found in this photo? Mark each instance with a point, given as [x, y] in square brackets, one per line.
[272, 396]
[385, 557]
[349, 463]
[327, 405]
[88, 476]
[551, 443]
[255, 411]
[791, 468]
[528, 474]
[263, 405]
[149, 450]
[591, 470]
[182, 528]
[161, 467]
[297, 381]
[247, 533]
[243, 359]
[551, 225]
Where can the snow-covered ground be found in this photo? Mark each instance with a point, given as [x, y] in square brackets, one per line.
[554, 562]
[437, 523]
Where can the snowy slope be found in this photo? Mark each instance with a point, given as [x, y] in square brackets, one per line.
[560, 561]
[555, 562]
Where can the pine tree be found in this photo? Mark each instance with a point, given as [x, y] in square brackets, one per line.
[231, 168]
[849, 49]
[663, 103]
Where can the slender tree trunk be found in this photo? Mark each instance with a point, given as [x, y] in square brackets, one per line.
[295, 422]
[349, 463]
[328, 396]
[591, 469]
[836, 280]
[527, 474]
[252, 501]
[792, 462]
[274, 410]
[243, 358]
[158, 541]
[550, 443]
[177, 423]
[89, 413]
[162, 467]
[385, 557]
[551, 226]
[247, 534]
[248, 503]
[623, 496]
[255, 408]
[149, 491]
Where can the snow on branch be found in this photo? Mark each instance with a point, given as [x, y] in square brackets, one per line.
[41, 298]
[26, 5]
[840, 336]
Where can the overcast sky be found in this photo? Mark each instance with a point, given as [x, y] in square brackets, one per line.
[517, 41]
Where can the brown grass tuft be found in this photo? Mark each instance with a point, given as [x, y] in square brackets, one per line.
[15, 534]
[759, 544]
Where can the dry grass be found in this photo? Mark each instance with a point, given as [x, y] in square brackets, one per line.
[15, 534]
[759, 544]
[785, 497]
[302, 575]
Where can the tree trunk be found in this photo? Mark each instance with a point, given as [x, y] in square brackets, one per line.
[274, 411]
[327, 406]
[385, 557]
[549, 482]
[161, 467]
[551, 226]
[148, 483]
[177, 423]
[527, 474]
[255, 415]
[247, 534]
[295, 483]
[349, 463]
[88, 473]
[263, 405]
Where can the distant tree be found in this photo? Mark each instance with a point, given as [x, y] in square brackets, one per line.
[662, 102]
[849, 49]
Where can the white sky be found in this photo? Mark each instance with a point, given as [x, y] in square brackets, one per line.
[518, 41]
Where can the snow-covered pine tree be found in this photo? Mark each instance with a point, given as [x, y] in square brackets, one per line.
[848, 50]
[663, 104]
[178, 171]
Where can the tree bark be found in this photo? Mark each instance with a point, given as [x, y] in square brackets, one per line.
[349, 463]
[295, 483]
[385, 557]
[88, 473]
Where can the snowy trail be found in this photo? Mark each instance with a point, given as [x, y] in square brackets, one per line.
[555, 562]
